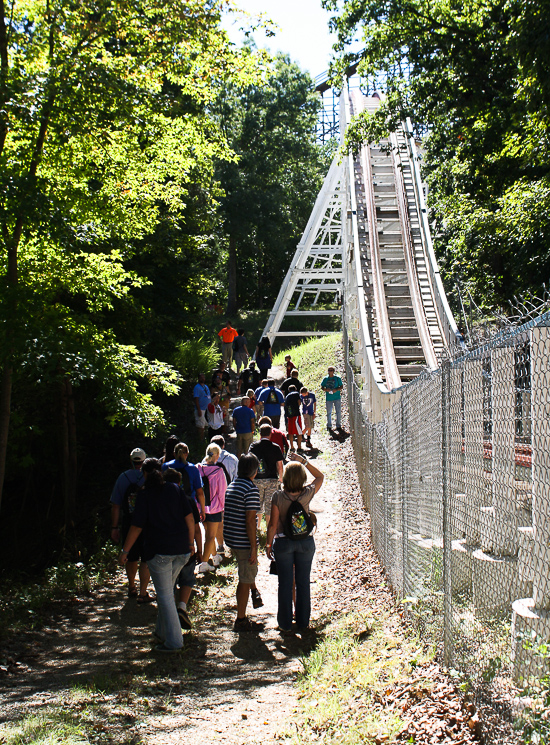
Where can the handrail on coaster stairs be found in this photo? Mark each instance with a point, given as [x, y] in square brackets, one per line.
[367, 255]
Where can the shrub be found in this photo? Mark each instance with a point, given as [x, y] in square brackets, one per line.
[195, 356]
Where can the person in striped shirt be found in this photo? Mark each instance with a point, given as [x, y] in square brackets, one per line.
[242, 505]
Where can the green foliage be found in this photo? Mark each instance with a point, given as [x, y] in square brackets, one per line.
[196, 356]
[25, 605]
[474, 76]
[51, 728]
[270, 188]
[107, 154]
[104, 129]
[345, 679]
[312, 357]
[534, 721]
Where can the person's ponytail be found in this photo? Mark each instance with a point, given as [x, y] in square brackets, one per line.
[152, 470]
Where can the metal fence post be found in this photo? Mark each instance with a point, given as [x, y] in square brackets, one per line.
[447, 535]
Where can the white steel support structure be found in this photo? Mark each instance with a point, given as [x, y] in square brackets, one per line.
[366, 256]
[317, 266]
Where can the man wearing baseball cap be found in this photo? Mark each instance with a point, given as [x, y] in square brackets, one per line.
[123, 500]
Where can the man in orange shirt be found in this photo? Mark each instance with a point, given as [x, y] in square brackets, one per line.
[227, 334]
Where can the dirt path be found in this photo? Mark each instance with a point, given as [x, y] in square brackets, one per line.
[225, 688]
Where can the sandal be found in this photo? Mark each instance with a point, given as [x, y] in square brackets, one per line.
[132, 592]
[142, 599]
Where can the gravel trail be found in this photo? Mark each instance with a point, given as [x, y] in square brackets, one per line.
[225, 688]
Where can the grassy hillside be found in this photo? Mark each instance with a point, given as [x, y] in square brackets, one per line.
[312, 357]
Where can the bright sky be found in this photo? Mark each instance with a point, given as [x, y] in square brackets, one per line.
[303, 33]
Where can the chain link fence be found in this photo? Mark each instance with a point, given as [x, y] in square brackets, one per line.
[456, 477]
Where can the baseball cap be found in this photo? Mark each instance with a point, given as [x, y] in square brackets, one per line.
[137, 454]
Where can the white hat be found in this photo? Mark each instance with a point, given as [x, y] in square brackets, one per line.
[138, 454]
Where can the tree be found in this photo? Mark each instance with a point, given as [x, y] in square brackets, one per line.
[271, 186]
[474, 76]
[103, 122]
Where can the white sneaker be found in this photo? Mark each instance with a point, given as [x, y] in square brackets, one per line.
[206, 567]
[217, 560]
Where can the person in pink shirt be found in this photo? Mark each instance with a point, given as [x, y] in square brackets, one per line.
[214, 484]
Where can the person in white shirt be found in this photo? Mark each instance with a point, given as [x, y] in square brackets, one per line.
[214, 417]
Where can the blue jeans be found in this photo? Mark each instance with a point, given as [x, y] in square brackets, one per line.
[338, 408]
[294, 563]
[164, 572]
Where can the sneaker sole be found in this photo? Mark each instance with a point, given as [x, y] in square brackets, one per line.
[254, 628]
[185, 623]
[159, 650]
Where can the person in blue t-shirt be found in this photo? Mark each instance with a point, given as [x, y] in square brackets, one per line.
[272, 399]
[309, 411]
[244, 421]
[123, 500]
[259, 408]
[201, 399]
[191, 477]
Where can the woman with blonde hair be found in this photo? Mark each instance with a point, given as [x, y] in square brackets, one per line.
[215, 484]
[293, 557]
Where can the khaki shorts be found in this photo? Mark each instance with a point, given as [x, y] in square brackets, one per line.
[308, 421]
[267, 488]
[244, 441]
[200, 419]
[247, 571]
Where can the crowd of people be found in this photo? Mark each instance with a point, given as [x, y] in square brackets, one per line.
[176, 519]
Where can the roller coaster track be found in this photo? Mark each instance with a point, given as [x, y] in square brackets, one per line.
[367, 254]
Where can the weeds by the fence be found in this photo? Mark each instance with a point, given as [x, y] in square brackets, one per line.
[342, 689]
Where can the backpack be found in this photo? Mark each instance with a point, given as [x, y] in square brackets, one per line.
[206, 483]
[225, 472]
[292, 405]
[129, 498]
[263, 353]
[272, 397]
[206, 489]
[185, 481]
[298, 523]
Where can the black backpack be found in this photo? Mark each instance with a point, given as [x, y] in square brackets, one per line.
[226, 472]
[292, 405]
[298, 523]
[272, 397]
[129, 498]
[185, 480]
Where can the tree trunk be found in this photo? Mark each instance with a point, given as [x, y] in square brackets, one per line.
[232, 306]
[68, 453]
[5, 409]
[260, 255]
[4, 63]
[12, 243]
